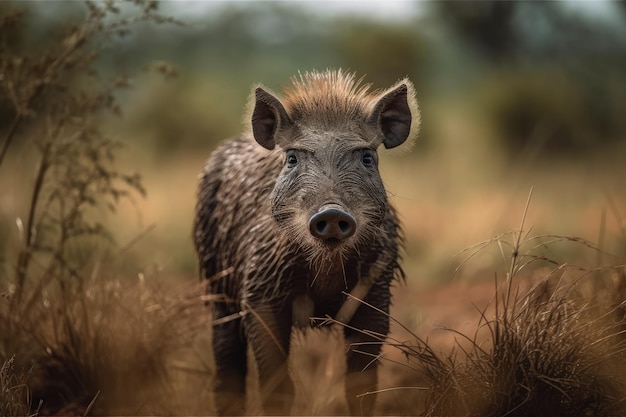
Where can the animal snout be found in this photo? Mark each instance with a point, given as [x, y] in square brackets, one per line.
[332, 224]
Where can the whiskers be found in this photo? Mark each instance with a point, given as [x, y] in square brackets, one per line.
[323, 259]
[317, 274]
[343, 272]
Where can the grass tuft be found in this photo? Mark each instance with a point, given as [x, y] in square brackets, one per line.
[550, 356]
[555, 350]
[15, 400]
[113, 348]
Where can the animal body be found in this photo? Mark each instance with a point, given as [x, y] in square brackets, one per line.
[293, 215]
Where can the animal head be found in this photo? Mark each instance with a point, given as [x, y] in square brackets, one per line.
[329, 196]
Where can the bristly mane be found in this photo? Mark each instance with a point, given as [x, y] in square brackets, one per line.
[327, 97]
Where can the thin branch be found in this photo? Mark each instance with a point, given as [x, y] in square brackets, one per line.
[26, 251]
[8, 137]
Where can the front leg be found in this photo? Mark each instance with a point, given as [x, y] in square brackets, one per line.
[364, 348]
[230, 350]
[268, 331]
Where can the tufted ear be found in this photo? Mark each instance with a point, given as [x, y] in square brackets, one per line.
[268, 117]
[392, 114]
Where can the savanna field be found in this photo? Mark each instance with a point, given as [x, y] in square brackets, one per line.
[512, 202]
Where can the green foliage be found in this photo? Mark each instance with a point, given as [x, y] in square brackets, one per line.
[383, 52]
[448, 50]
[550, 112]
[540, 110]
[485, 26]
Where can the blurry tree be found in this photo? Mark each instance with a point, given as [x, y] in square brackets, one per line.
[54, 97]
[233, 48]
[542, 111]
[382, 52]
[486, 26]
[523, 45]
[238, 44]
[270, 38]
[527, 32]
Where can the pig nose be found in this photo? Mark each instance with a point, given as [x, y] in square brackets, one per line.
[332, 224]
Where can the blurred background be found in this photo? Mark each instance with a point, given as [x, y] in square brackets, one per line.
[513, 95]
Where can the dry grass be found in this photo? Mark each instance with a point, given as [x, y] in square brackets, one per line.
[556, 350]
[550, 351]
[549, 356]
[14, 391]
[114, 348]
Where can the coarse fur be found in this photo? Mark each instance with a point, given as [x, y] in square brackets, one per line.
[315, 148]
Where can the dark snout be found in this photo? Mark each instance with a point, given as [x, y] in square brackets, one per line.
[332, 224]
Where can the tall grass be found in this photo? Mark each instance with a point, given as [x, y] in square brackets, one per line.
[111, 349]
[15, 398]
[556, 350]
[550, 356]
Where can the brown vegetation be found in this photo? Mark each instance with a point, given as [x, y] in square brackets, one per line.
[82, 333]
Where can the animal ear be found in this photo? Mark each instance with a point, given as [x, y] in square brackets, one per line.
[392, 114]
[268, 117]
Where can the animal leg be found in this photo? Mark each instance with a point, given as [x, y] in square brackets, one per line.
[361, 377]
[364, 337]
[269, 333]
[230, 353]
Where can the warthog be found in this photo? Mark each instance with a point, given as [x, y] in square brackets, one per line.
[293, 216]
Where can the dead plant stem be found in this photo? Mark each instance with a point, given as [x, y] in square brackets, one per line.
[26, 251]
[8, 137]
[49, 73]
[515, 255]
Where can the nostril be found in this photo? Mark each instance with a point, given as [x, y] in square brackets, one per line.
[321, 227]
[344, 226]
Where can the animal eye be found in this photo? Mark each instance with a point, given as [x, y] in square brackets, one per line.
[368, 158]
[292, 159]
